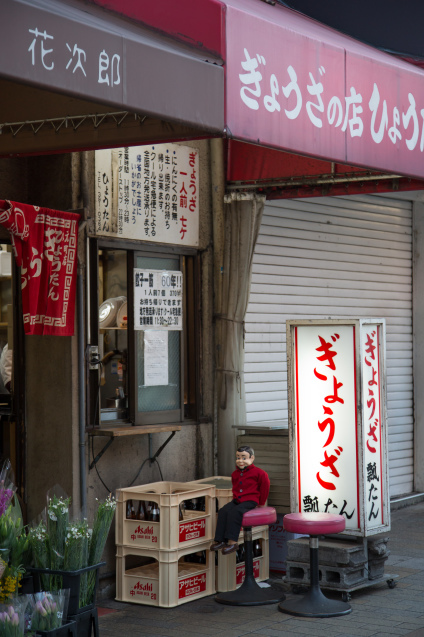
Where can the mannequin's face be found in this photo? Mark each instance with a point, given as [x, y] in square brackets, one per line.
[243, 459]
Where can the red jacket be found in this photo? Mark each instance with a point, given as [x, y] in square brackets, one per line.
[250, 484]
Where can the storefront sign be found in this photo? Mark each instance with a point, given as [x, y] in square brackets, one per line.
[149, 193]
[158, 299]
[76, 49]
[299, 86]
[337, 423]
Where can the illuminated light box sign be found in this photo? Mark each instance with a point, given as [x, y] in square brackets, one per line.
[337, 416]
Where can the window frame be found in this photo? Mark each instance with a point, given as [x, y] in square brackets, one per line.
[191, 382]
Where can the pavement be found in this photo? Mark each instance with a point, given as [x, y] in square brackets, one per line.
[377, 611]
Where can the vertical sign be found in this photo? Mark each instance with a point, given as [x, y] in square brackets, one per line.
[327, 443]
[371, 417]
[337, 414]
[149, 193]
[158, 300]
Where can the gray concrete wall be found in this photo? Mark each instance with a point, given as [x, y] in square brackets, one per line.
[418, 342]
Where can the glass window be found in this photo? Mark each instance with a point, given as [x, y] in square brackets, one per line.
[113, 335]
[165, 397]
[124, 386]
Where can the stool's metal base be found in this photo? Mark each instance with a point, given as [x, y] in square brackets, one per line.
[250, 594]
[314, 604]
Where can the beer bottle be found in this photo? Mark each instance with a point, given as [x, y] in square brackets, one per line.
[257, 548]
[155, 515]
[148, 511]
[180, 512]
[130, 510]
[141, 514]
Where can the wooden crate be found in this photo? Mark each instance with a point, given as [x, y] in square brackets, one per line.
[230, 575]
[169, 532]
[162, 577]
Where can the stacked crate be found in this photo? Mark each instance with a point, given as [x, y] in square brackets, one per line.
[157, 562]
[229, 572]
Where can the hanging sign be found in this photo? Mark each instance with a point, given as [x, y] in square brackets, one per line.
[158, 299]
[149, 193]
[45, 244]
[337, 421]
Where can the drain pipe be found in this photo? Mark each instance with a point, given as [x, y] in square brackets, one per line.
[81, 391]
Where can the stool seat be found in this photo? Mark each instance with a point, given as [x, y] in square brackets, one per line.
[259, 516]
[313, 523]
[314, 603]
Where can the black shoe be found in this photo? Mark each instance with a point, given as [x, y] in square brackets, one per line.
[231, 548]
[217, 545]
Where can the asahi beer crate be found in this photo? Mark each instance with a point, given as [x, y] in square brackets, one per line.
[164, 578]
[170, 532]
[223, 488]
[230, 573]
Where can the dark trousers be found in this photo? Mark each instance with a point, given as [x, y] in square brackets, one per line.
[230, 518]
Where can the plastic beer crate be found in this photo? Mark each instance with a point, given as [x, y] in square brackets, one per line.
[230, 575]
[169, 532]
[223, 488]
[162, 577]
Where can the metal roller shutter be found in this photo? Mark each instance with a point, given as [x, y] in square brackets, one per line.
[334, 257]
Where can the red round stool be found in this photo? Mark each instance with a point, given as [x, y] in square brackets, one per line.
[314, 603]
[249, 593]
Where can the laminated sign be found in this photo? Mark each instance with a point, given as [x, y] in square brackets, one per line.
[337, 417]
[158, 299]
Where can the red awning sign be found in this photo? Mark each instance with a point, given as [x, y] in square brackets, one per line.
[296, 85]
